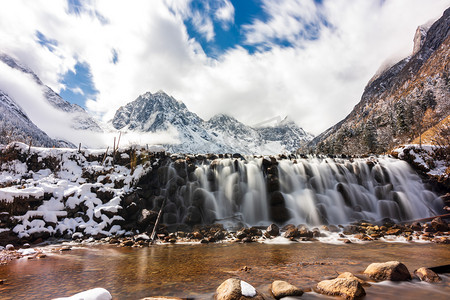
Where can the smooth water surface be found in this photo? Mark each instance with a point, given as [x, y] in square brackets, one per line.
[195, 271]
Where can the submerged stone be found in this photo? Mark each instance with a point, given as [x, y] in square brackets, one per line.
[282, 289]
[345, 287]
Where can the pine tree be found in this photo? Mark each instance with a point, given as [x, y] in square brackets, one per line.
[370, 136]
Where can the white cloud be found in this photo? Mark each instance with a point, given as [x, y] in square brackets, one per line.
[29, 95]
[77, 90]
[316, 82]
[225, 13]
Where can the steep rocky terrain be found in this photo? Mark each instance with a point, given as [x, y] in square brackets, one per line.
[399, 103]
[16, 126]
[81, 120]
[221, 134]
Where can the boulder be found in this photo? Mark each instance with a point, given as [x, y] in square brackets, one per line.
[439, 225]
[391, 270]
[273, 230]
[235, 289]
[344, 287]
[350, 276]
[427, 275]
[282, 289]
[292, 233]
[146, 217]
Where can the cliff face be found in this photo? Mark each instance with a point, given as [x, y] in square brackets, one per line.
[401, 102]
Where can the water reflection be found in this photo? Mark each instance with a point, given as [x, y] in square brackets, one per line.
[196, 270]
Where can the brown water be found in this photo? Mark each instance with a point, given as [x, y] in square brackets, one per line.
[195, 271]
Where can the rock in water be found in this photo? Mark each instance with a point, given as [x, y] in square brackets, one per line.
[350, 276]
[235, 289]
[273, 230]
[282, 289]
[391, 270]
[427, 275]
[344, 287]
[93, 294]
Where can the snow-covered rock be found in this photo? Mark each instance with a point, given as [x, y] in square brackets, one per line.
[92, 294]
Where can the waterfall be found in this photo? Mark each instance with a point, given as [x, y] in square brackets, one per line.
[313, 191]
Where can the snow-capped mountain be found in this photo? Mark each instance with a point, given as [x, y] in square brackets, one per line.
[221, 134]
[81, 120]
[16, 126]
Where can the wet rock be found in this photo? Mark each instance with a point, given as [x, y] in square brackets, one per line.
[282, 289]
[391, 270]
[279, 213]
[197, 235]
[439, 225]
[235, 289]
[303, 231]
[253, 231]
[394, 231]
[146, 217]
[193, 216]
[292, 233]
[273, 230]
[350, 276]
[219, 235]
[65, 248]
[241, 234]
[427, 275]
[161, 298]
[416, 226]
[247, 239]
[127, 243]
[9, 247]
[351, 229]
[344, 287]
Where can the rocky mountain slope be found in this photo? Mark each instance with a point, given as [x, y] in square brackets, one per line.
[400, 102]
[16, 126]
[81, 120]
[221, 134]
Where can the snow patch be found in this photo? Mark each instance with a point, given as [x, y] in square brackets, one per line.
[247, 290]
[93, 294]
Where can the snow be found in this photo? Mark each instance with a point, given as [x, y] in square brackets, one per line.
[25, 252]
[93, 294]
[221, 134]
[68, 191]
[247, 290]
[422, 155]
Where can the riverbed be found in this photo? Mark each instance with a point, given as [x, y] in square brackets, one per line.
[196, 270]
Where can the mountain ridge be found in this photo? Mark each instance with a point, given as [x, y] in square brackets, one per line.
[220, 134]
[392, 108]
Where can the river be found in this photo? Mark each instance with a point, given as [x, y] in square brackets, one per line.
[196, 270]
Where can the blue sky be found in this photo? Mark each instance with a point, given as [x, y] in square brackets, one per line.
[228, 34]
[251, 59]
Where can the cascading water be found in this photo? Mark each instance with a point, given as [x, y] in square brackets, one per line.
[260, 191]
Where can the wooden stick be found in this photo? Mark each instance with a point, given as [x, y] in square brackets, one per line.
[29, 147]
[444, 216]
[104, 156]
[152, 237]
[118, 141]
[79, 148]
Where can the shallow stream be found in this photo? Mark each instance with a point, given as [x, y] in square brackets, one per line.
[195, 271]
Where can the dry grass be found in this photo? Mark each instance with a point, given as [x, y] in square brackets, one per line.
[430, 136]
